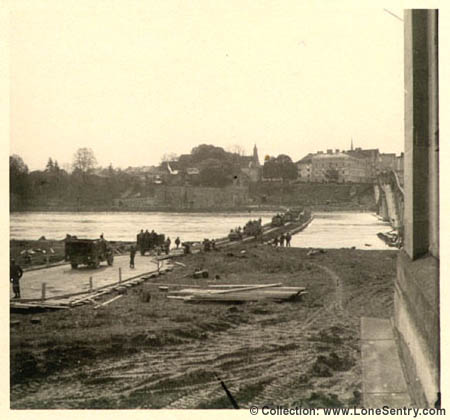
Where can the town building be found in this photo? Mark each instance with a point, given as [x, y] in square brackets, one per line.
[371, 158]
[356, 165]
[334, 166]
[304, 168]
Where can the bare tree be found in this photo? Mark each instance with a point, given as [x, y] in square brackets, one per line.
[67, 167]
[169, 157]
[84, 160]
[237, 149]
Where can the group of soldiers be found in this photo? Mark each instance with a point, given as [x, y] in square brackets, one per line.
[146, 241]
[209, 244]
[283, 239]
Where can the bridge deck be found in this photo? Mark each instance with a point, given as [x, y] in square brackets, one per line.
[62, 280]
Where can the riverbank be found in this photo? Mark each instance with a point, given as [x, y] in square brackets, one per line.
[347, 206]
[152, 209]
[163, 353]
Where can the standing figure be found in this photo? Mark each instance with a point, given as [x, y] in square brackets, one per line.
[275, 241]
[132, 255]
[168, 242]
[15, 273]
[139, 239]
[146, 242]
[177, 241]
[282, 240]
[288, 239]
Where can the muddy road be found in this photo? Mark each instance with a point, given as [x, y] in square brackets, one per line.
[165, 353]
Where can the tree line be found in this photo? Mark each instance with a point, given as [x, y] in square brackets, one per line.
[55, 186]
[87, 185]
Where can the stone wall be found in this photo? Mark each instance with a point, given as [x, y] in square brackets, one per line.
[188, 198]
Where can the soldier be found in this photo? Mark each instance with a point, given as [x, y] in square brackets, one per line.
[132, 255]
[153, 239]
[168, 242]
[102, 243]
[288, 239]
[177, 241]
[275, 241]
[139, 238]
[15, 273]
[145, 242]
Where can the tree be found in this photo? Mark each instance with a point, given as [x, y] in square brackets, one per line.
[215, 173]
[287, 168]
[84, 160]
[169, 157]
[18, 180]
[50, 166]
[208, 151]
[16, 163]
[280, 167]
[214, 176]
[270, 169]
[237, 149]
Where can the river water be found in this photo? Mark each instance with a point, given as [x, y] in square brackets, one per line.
[124, 226]
[342, 230]
[327, 230]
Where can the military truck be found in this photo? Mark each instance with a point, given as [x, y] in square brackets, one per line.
[235, 235]
[277, 220]
[90, 252]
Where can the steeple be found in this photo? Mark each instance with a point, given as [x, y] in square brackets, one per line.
[351, 146]
[255, 156]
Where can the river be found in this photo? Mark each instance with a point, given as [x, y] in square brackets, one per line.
[123, 226]
[342, 230]
[327, 230]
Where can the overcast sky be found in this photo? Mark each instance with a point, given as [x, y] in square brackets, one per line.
[135, 82]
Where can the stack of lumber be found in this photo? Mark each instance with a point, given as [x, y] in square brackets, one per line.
[239, 293]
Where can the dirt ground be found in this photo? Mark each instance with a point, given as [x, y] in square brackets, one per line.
[164, 353]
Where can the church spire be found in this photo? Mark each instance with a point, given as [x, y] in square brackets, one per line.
[255, 156]
[351, 145]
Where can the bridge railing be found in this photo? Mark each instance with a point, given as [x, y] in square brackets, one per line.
[391, 178]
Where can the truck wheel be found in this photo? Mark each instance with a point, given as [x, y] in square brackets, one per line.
[74, 265]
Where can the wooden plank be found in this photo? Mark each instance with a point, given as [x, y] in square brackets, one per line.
[228, 286]
[180, 263]
[242, 289]
[247, 296]
[38, 305]
[87, 297]
[108, 301]
[241, 297]
[179, 297]
[195, 291]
